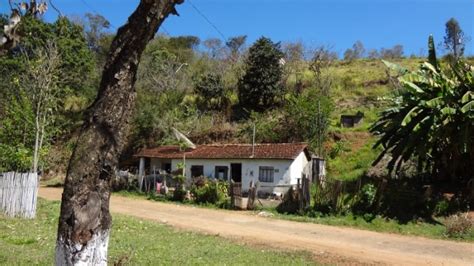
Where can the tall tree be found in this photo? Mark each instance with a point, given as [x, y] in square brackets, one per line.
[95, 27]
[392, 53]
[39, 86]
[260, 87]
[454, 39]
[235, 45]
[373, 54]
[214, 46]
[85, 221]
[323, 59]
[359, 49]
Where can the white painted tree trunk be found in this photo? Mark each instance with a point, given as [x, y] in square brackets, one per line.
[92, 253]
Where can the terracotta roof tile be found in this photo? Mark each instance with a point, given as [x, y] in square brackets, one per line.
[228, 151]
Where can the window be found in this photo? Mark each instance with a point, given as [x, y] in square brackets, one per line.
[167, 167]
[265, 174]
[197, 170]
[221, 172]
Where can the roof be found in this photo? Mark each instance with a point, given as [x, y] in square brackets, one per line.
[287, 151]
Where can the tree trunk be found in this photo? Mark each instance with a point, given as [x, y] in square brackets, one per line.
[85, 220]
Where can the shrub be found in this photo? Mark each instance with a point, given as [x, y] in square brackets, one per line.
[332, 197]
[441, 208]
[179, 193]
[365, 199]
[209, 191]
[340, 147]
[290, 202]
[458, 225]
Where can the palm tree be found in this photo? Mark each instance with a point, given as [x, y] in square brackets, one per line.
[431, 120]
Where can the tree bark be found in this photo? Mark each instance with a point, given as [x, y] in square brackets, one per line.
[85, 220]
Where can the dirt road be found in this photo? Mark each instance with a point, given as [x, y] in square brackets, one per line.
[327, 243]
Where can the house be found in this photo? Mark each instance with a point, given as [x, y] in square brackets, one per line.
[275, 166]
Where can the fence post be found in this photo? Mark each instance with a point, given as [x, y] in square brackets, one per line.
[252, 196]
[231, 191]
[306, 191]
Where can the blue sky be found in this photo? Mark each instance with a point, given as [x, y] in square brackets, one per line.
[337, 23]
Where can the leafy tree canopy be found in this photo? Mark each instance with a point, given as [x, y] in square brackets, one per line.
[260, 87]
[454, 39]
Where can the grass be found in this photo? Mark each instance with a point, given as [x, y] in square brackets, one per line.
[53, 182]
[354, 162]
[135, 242]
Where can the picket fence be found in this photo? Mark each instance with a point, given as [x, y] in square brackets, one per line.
[18, 194]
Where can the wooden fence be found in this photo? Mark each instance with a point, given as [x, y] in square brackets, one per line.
[18, 194]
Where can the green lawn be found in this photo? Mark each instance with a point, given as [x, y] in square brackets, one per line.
[135, 242]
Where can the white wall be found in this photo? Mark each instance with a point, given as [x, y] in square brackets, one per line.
[297, 167]
[286, 171]
[158, 164]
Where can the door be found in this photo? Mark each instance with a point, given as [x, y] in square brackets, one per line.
[236, 172]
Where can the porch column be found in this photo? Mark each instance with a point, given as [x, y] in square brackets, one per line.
[141, 172]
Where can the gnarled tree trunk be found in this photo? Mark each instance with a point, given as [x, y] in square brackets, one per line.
[85, 221]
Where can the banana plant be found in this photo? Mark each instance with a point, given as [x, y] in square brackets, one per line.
[431, 120]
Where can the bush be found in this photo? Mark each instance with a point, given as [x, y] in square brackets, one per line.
[458, 225]
[209, 191]
[365, 199]
[340, 147]
[332, 197]
[179, 193]
[441, 208]
[290, 203]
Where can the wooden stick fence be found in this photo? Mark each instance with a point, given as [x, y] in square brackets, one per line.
[18, 194]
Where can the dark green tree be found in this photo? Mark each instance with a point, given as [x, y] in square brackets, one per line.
[211, 92]
[454, 40]
[261, 88]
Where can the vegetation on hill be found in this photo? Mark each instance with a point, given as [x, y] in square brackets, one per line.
[218, 91]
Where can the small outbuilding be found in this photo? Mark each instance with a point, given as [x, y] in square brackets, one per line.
[351, 120]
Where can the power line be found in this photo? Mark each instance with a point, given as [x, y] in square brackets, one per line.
[207, 20]
[164, 30]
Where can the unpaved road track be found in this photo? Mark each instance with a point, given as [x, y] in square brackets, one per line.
[327, 243]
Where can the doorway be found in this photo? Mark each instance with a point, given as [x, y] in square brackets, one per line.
[236, 172]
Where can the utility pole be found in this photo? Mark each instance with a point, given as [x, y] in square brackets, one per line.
[253, 141]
